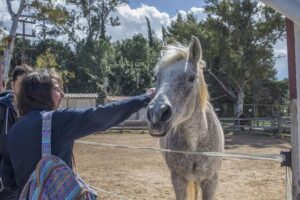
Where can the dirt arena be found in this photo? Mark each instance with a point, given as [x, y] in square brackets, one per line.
[143, 175]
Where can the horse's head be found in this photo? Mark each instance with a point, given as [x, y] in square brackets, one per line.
[179, 86]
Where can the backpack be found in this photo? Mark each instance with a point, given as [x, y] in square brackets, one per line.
[53, 179]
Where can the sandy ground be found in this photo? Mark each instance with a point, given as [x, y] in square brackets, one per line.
[141, 175]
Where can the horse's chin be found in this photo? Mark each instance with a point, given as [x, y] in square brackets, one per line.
[156, 133]
[159, 130]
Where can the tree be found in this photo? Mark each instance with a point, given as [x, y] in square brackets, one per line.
[242, 34]
[132, 68]
[85, 26]
[182, 29]
[16, 58]
[237, 39]
[48, 60]
[10, 39]
[135, 49]
[87, 20]
[150, 32]
[47, 14]
[90, 65]
[15, 16]
[269, 92]
[128, 78]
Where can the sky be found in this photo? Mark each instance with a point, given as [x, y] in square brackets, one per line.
[169, 6]
[160, 13]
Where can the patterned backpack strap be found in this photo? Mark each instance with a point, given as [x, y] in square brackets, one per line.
[46, 133]
[46, 149]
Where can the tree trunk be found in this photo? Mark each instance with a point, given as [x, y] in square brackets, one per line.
[11, 38]
[239, 103]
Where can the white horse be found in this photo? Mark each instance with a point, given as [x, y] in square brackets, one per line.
[181, 113]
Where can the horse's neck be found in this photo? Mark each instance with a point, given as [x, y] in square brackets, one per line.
[195, 128]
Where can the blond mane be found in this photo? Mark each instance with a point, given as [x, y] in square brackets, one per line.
[173, 53]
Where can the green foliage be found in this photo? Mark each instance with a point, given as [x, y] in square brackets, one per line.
[46, 54]
[16, 57]
[134, 49]
[2, 42]
[128, 78]
[49, 15]
[90, 65]
[50, 11]
[150, 32]
[132, 70]
[243, 44]
[269, 92]
[46, 61]
[182, 29]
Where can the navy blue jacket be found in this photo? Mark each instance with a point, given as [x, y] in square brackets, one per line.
[23, 142]
[8, 117]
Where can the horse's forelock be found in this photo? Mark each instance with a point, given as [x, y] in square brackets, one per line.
[171, 54]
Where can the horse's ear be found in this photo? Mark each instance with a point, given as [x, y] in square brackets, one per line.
[195, 51]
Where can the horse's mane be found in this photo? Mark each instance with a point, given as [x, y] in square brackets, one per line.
[172, 53]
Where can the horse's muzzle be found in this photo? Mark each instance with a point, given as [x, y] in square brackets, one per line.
[159, 113]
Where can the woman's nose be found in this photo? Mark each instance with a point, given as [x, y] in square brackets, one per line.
[62, 94]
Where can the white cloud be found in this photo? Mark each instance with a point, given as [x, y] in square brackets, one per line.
[133, 21]
[198, 12]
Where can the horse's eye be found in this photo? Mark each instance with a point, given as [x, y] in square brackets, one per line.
[155, 78]
[192, 78]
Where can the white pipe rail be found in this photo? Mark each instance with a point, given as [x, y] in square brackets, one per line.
[267, 157]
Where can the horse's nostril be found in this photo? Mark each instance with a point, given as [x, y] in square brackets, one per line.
[166, 113]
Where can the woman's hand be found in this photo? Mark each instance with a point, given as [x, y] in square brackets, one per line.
[151, 92]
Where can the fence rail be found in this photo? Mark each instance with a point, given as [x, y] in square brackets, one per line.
[273, 124]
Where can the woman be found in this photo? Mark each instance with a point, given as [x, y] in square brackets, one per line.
[39, 92]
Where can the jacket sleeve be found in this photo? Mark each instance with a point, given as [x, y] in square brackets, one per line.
[2, 128]
[79, 123]
[8, 175]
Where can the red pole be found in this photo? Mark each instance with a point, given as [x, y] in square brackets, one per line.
[291, 58]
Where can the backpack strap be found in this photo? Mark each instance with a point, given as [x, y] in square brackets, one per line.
[46, 133]
[46, 149]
